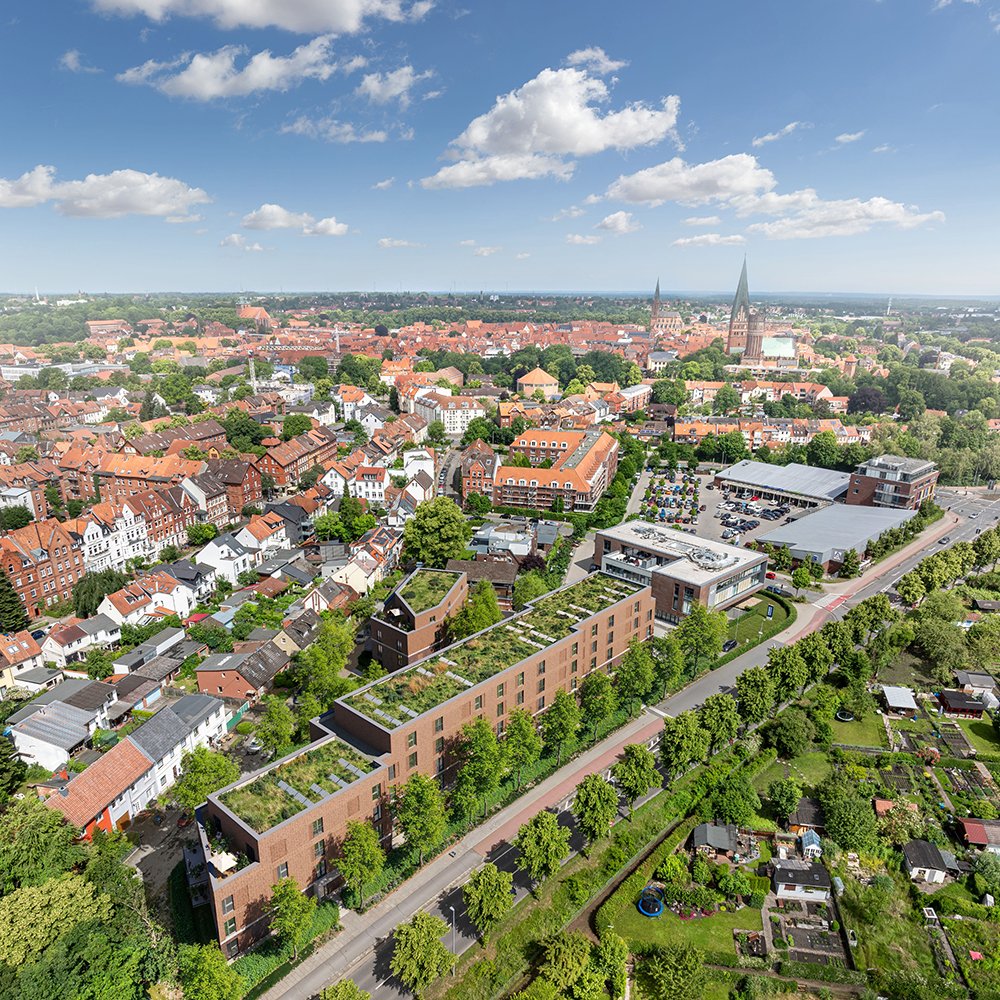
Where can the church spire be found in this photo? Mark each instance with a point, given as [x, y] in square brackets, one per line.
[656, 300]
[741, 303]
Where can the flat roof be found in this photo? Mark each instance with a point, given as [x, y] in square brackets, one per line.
[830, 531]
[899, 697]
[695, 560]
[424, 589]
[800, 480]
[398, 698]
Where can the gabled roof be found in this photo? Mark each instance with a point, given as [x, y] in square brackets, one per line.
[799, 873]
[923, 854]
[720, 838]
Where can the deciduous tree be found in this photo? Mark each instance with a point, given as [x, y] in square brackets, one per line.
[202, 771]
[598, 699]
[701, 634]
[634, 676]
[561, 722]
[488, 895]
[755, 695]
[277, 726]
[421, 813]
[205, 973]
[418, 955]
[594, 807]
[719, 718]
[483, 759]
[784, 795]
[437, 532]
[361, 857]
[542, 845]
[635, 773]
[683, 743]
[290, 913]
[522, 742]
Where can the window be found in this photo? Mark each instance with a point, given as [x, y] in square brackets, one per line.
[317, 826]
[611, 638]
[500, 728]
[283, 870]
[500, 688]
[439, 724]
[610, 654]
[440, 765]
[593, 629]
[376, 792]
[541, 668]
[229, 927]
[593, 662]
[574, 666]
[319, 849]
[520, 698]
[321, 868]
[575, 649]
[479, 702]
[541, 684]
[228, 905]
[392, 772]
[611, 622]
[412, 760]
[411, 740]
[499, 709]
[439, 745]
[572, 684]
[593, 646]
[232, 949]
[541, 703]
[520, 680]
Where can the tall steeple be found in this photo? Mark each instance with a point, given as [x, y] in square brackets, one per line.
[739, 318]
[656, 302]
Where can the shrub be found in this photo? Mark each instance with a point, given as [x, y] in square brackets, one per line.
[244, 728]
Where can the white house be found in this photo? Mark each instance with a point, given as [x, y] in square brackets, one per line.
[418, 460]
[229, 556]
[68, 643]
[111, 535]
[455, 412]
[265, 533]
[369, 484]
[924, 862]
[802, 880]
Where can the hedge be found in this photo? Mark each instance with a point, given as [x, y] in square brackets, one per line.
[824, 973]
[191, 925]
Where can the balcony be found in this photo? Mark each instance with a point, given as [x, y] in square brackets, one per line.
[635, 569]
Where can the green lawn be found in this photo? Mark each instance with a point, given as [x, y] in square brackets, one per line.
[981, 734]
[909, 671]
[711, 934]
[808, 770]
[867, 732]
[748, 625]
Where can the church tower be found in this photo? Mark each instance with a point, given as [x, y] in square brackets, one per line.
[739, 318]
[657, 305]
[754, 351]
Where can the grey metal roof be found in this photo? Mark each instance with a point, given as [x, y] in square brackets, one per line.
[194, 709]
[923, 854]
[800, 480]
[58, 725]
[160, 734]
[830, 531]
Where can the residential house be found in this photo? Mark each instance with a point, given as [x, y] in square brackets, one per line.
[286, 463]
[455, 412]
[229, 557]
[714, 840]
[154, 595]
[351, 399]
[245, 676]
[243, 483]
[19, 653]
[923, 862]
[479, 463]
[297, 519]
[500, 571]
[43, 562]
[168, 513]
[210, 496]
[69, 643]
[900, 701]
[805, 881]
[982, 833]
[263, 534]
[110, 535]
[328, 596]
[979, 684]
[959, 705]
[808, 815]
[369, 484]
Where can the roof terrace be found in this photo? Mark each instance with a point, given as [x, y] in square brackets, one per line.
[398, 698]
[427, 588]
[296, 784]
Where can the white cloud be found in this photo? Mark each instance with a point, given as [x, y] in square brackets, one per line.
[763, 140]
[530, 131]
[579, 240]
[702, 220]
[206, 76]
[381, 88]
[388, 243]
[383, 185]
[619, 223]
[847, 137]
[709, 240]
[486, 251]
[466, 243]
[104, 196]
[595, 59]
[271, 216]
[523, 256]
[884, 148]
[573, 212]
[338, 16]
[72, 62]
[237, 241]
[804, 215]
[333, 130]
[698, 184]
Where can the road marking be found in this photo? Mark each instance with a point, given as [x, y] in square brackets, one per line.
[656, 711]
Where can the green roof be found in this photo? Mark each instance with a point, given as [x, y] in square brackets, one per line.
[426, 588]
[394, 700]
[296, 784]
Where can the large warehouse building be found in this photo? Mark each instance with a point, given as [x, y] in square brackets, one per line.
[799, 485]
[681, 569]
[825, 535]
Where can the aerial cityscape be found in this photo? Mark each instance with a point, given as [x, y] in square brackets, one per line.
[499, 503]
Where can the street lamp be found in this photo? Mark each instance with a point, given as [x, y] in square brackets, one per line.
[452, 908]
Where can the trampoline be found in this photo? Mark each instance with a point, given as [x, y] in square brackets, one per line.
[651, 901]
[844, 715]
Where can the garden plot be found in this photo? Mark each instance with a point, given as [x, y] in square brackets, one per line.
[968, 788]
[804, 929]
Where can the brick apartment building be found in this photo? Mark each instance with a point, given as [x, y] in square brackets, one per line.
[413, 621]
[681, 570]
[206, 435]
[289, 461]
[117, 477]
[43, 563]
[583, 465]
[290, 818]
[479, 465]
[242, 480]
[892, 481]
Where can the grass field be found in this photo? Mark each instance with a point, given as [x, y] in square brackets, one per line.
[747, 626]
[907, 670]
[808, 770]
[981, 734]
[867, 732]
[711, 934]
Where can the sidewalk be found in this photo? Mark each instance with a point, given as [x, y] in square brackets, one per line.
[362, 933]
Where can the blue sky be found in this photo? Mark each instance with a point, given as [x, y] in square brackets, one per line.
[520, 144]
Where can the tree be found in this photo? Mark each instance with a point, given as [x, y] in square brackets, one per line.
[291, 913]
[598, 699]
[849, 818]
[421, 813]
[561, 722]
[677, 971]
[482, 757]
[668, 662]
[719, 718]
[988, 869]
[565, 960]
[480, 611]
[755, 695]
[634, 676]
[542, 846]
[594, 807]
[488, 895]
[801, 578]
[816, 655]
[169, 553]
[522, 743]
[205, 973]
[478, 503]
[823, 450]
[784, 795]
[277, 726]
[13, 617]
[313, 367]
[437, 532]
[12, 771]
[942, 645]
[418, 955]
[612, 960]
[682, 743]
[202, 771]
[635, 774]
[788, 671]
[12, 518]
[734, 800]
[36, 844]
[867, 399]
[98, 664]
[201, 534]
[726, 400]
[850, 565]
[361, 857]
[911, 588]
[701, 634]
[528, 587]
[295, 424]
[307, 708]
[790, 733]
[320, 664]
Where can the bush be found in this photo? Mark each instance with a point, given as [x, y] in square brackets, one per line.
[245, 727]
[825, 973]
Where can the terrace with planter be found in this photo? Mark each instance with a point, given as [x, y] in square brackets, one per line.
[407, 694]
[296, 784]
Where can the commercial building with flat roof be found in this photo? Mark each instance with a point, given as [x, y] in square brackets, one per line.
[893, 481]
[681, 569]
[799, 485]
[826, 534]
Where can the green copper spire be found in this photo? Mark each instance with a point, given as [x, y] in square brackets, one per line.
[742, 301]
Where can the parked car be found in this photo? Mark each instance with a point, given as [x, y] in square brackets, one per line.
[728, 645]
[770, 576]
[252, 745]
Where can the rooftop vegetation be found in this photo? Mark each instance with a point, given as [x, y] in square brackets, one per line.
[427, 588]
[394, 700]
[295, 785]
